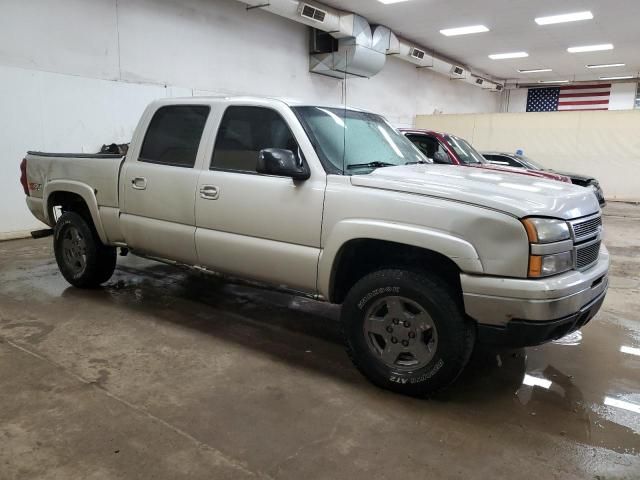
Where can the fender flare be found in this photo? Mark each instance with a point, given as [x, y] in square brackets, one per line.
[461, 252]
[81, 189]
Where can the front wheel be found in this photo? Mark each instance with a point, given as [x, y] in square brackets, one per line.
[83, 260]
[406, 332]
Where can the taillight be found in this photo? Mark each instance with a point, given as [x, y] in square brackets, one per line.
[23, 176]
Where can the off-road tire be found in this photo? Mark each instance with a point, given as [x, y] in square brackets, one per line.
[455, 333]
[93, 263]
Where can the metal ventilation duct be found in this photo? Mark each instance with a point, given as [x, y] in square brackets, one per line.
[357, 52]
[360, 50]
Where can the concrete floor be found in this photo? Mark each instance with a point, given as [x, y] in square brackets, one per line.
[170, 374]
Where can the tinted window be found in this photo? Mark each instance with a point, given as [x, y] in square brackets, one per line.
[429, 146]
[244, 131]
[174, 135]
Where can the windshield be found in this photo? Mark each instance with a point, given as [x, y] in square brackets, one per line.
[466, 153]
[530, 163]
[353, 142]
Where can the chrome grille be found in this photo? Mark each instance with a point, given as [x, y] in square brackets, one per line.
[587, 255]
[586, 228]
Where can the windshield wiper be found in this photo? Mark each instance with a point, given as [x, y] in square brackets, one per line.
[419, 162]
[371, 165]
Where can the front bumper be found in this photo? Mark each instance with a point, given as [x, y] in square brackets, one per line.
[528, 312]
[523, 333]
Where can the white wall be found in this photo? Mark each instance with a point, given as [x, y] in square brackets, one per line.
[623, 97]
[75, 74]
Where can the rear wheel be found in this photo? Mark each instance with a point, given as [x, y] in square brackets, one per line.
[406, 331]
[82, 258]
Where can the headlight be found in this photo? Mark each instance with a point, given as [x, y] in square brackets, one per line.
[551, 246]
[546, 230]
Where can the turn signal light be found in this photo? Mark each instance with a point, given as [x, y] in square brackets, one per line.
[535, 266]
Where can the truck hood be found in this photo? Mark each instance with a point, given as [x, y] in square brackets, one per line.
[518, 195]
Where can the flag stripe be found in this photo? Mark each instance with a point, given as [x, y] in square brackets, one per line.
[584, 102]
[581, 99]
[580, 108]
[584, 87]
[584, 94]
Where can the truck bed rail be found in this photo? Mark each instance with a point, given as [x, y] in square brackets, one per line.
[76, 155]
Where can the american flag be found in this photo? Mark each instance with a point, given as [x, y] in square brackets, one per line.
[571, 97]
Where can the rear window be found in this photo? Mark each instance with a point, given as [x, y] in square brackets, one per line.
[174, 135]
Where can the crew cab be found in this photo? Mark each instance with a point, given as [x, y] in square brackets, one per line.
[334, 203]
[517, 160]
[449, 149]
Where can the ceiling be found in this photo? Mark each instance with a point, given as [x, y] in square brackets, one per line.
[513, 29]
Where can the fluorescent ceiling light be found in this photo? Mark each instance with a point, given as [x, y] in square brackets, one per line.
[614, 402]
[504, 56]
[568, 17]
[536, 382]
[536, 70]
[452, 32]
[607, 65]
[590, 48]
[630, 350]
[623, 77]
[553, 81]
[389, 2]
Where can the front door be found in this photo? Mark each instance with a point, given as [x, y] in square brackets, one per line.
[157, 215]
[262, 227]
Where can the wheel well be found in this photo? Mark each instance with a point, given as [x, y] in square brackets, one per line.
[360, 257]
[68, 202]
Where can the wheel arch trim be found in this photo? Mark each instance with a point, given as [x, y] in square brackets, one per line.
[461, 252]
[84, 191]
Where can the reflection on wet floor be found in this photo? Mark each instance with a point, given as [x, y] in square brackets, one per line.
[576, 387]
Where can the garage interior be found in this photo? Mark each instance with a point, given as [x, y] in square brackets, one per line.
[170, 372]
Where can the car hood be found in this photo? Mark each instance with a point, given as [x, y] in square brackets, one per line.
[575, 176]
[518, 195]
[548, 174]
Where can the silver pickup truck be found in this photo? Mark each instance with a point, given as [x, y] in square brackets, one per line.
[334, 203]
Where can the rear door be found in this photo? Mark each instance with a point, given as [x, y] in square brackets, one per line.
[263, 227]
[160, 184]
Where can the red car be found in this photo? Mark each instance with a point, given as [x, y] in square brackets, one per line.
[452, 150]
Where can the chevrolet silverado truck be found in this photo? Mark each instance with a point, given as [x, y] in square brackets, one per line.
[334, 203]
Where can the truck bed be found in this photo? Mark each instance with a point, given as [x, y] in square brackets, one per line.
[98, 171]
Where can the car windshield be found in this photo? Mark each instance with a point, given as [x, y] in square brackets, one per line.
[466, 153]
[353, 142]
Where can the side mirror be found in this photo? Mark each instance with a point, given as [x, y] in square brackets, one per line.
[441, 157]
[278, 161]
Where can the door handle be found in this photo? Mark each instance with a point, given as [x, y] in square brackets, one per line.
[139, 183]
[209, 192]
